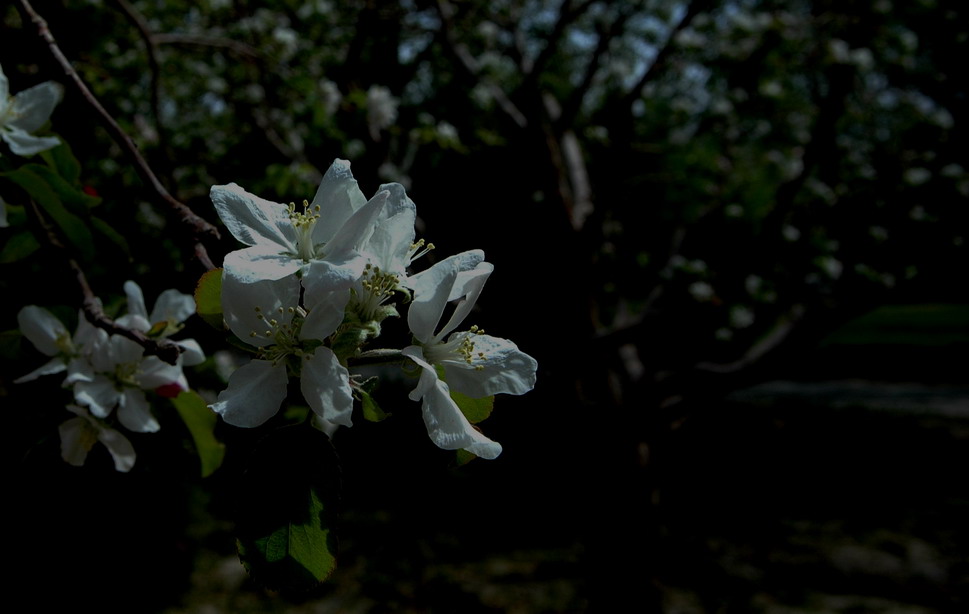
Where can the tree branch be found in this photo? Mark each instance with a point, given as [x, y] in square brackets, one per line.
[198, 226]
[165, 349]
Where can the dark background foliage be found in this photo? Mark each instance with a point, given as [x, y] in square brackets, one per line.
[732, 234]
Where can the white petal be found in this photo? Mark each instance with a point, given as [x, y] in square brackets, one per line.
[41, 328]
[34, 105]
[24, 144]
[324, 316]
[136, 299]
[134, 412]
[54, 365]
[117, 351]
[260, 263]
[135, 322]
[154, 372]
[77, 439]
[79, 369]
[325, 384]
[431, 291]
[255, 392]
[393, 234]
[253, 220]
[88, 336]
[467, 284]
[447, 426]
[504, 369]
[357, 230]
[244, 303]
[99, 395]
[323, 277]
[4, 86]
[119, 447]
[192, 353]
[338, 197]
[415, 353]
[172, 306]
[445, 281]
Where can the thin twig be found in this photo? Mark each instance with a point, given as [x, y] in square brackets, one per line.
[164, 349]
[154, 70]
[240, 48]
[199, 227]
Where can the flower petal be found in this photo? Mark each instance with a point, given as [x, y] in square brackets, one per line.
[325, 384]
[504, 369]
[54, 365]
[467, 284]
[246, 307]
[260, 263]
[357, 230]
[77, 439]
[34, 105]
[433, 289]
[393, 233]
[24, 144]
[324, 316]
[446, 424]
[255, 392]
[192, 353]
[134, 412]
[41, 328]
[323, 277]
[119, 447]
[136, 299]
[172, 306]
[99, 395]
[253, 220]
[338, 197]
[154, 372]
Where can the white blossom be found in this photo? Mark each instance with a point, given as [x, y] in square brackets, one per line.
[25, 113]
[472, 363]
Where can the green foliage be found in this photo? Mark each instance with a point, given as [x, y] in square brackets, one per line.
[37, 181]
[371, 410]
[208, 298]
[201, 422]
[287, 510]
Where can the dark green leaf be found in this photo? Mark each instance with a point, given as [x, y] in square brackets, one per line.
[201, 422]
[18, 247]
[73, 227]
[288, 500]
[62, 159]
[70, 193]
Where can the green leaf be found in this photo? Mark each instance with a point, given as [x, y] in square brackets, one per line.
[62, 159]
[463, 457]
[70, 193]
[201, 422]
[18, 247]
[371, 411]
[288, 499]
[475, 410]
[73, 227]
[208, 298]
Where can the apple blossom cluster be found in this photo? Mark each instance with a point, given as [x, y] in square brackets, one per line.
[314, 284]
[109, 374]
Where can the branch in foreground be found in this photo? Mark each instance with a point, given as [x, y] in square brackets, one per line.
[164, 349]
[199, 227]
